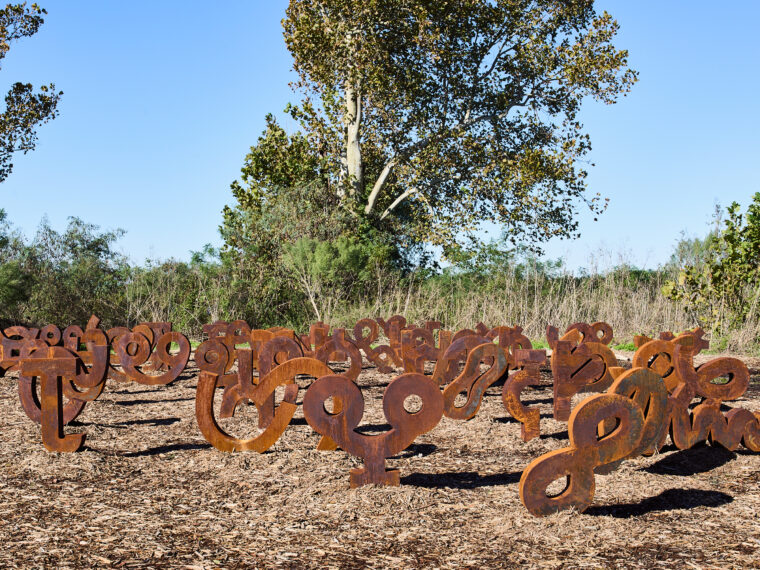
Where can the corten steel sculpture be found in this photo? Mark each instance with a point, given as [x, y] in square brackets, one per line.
[373, 449]
[133, 352]
[418, 346]
[706, 422]
[11, 341]
[338, 348]
[528, 363]
[577, 367]
[594, 332]
[473, 382]
[639, 425]
[381, 356]
[61, 372]
[448, 365]
[211, 357]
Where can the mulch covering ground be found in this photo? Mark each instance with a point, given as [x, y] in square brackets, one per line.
[148, 491]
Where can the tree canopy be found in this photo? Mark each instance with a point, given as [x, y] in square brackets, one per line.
[423, 119]
[25, 109]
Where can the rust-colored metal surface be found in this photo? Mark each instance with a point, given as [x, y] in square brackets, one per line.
[448, 366]
[134, 353]
[583, 367]
[61, 373]
[706, 421]
[338, 348]
[473, 382]
[595, 332]
[373, 449]
[528, 363]
[588, 451]
[381, 356]
[211, 357]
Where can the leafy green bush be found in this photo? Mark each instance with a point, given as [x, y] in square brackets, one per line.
[723, 289]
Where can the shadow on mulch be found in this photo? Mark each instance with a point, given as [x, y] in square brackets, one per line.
[689, 462]
[141, 402]
[421, 449]
[460, 480]
[511, 420]
[665, 501]
[150, 422]
[557, 435]
[166, 449]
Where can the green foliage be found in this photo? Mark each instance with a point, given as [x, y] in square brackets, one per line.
[628, 346]
[333, 271]
[25, 109]
[75, 274]
[722, 287]
[439, 116]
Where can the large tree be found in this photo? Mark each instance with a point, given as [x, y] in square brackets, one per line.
[25, 108]
[426, 118]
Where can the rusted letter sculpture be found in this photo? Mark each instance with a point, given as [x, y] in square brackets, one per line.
[583, 367]
[528, 363]
[60, 372]
[133, 351]
[634, 433]
[373, 449]
[684, 383]
[211, 357]
[472, 382]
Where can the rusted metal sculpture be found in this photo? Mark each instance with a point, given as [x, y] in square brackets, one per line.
[133, 351]
[381, 356]
[211, 357]
[472, 382]
[685, 383]
[91, 366]
[595, 332]
[373, 449]
[638, 429]
[338, 348]
[528, 363]
[418, 346]
[61, 373]
[581, 367]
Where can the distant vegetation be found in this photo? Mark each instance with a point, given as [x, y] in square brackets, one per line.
[63, 277]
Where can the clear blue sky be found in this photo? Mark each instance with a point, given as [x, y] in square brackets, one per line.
[163, 99]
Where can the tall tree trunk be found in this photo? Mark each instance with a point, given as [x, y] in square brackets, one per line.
[354, 165]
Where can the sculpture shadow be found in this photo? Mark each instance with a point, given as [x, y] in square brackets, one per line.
[460, 480]
[511, 420]
[150, 422]
[557, 435]
[422, 449]
[671, 499]
[141, 402]
[688, 462]
[166, 449]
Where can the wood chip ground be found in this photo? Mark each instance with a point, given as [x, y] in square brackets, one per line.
[149, 492]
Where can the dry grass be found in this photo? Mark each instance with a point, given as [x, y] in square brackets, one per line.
[148, 491]
[631, 306]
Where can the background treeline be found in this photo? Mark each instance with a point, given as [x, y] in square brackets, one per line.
[64, 277]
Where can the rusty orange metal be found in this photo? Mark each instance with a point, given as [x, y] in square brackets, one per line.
[528, 363]
[133, 352]
[582, 367]
[588, 451]
[373, 449]
[473, 382]
[338, 348]
[211, 357]
[381, 356]
[706, 422]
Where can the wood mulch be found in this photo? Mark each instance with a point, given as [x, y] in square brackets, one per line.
[148, 491]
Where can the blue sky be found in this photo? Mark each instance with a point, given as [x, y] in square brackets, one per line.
[163, 99]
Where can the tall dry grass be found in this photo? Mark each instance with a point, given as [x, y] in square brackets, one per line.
[630, 302]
